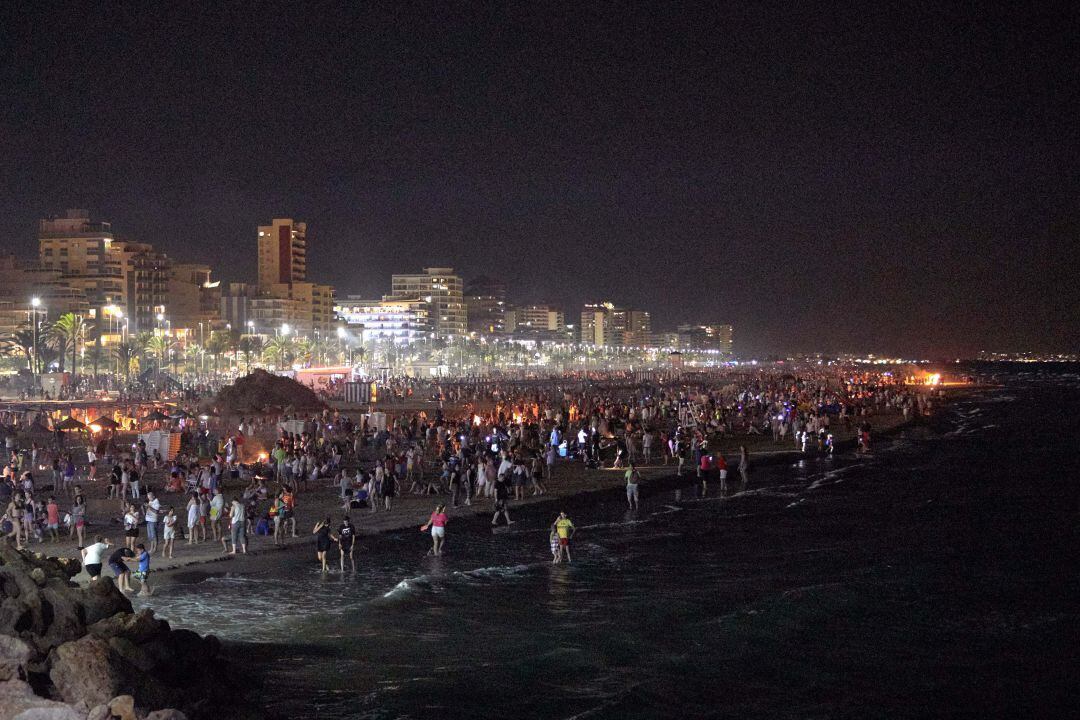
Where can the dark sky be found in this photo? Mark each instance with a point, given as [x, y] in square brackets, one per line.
[893, 179]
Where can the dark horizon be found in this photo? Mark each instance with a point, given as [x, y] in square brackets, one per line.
[897, 180]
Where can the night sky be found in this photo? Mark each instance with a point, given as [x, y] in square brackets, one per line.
[894, 179]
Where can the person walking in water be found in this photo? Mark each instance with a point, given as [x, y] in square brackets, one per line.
[322, 541]
[633, 477]
[437, 524]
[744, 465]
[564, 527]
[346, 541]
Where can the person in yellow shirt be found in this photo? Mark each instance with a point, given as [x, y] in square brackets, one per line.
[564, 528]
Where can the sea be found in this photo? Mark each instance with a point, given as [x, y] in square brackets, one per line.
[935, 577]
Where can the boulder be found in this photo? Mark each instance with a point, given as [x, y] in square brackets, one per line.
[166, 715]
[99, 712]
[100, 600]
[15, 655]
[88, 669]
[18, 702]
[139, 628]
[123, 707]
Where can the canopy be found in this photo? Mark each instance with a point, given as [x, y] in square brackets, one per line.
[106, 422]
[156, 416]
[180, 414]
[70, 423]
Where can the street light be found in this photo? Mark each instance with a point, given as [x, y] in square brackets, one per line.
[35, 303]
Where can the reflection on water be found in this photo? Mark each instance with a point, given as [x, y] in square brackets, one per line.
[821, 588]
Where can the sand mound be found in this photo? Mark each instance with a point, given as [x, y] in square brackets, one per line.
[265, 392]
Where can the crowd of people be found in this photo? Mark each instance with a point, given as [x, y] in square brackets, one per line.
[474, 443]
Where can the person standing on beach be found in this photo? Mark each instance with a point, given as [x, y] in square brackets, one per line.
[168, 533]
[192, 518]
[437, 523]
[131, 527]
[217, 509]
[153, 514]
[564, 527]
[346, 542]
[744, 464]
[238, 520]
[720, 466]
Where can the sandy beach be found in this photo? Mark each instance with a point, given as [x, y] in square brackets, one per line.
[570, 478]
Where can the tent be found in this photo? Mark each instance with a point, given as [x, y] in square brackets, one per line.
[106, 422]
[70, 423]
[156, 416]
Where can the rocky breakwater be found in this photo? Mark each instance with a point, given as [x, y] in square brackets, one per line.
[74, 653]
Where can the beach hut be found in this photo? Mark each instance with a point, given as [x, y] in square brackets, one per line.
[70, 423]
[105, 423]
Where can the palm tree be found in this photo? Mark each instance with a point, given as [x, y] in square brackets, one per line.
[162, 346]
[21, 342]
[279, 350]
[96, 356]
[251, 345]
[303, 350]
[68, 330]
[125, 353]
[216, 345]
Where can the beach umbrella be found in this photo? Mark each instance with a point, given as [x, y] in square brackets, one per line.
[180, 414]
[156, 416]
[70, 423]
[106, 422]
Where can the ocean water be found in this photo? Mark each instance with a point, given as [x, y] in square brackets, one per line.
[935, 578]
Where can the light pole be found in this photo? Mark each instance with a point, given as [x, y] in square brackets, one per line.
[35, 303]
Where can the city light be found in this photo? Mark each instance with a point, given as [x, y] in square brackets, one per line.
[35, 302]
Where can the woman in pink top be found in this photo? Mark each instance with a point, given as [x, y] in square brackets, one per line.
[437, 523]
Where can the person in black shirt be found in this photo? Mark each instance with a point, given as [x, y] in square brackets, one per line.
[502, 500]
[346, 539]
[120, 568]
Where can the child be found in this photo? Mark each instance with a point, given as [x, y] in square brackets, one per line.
[169, 533]
[553, 540]
[142, 574]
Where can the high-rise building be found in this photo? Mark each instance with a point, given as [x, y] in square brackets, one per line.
[82, 252]
[442, 290]
[194, 300]
[109, 272]
[307, 308]
[718, 338]
[282, 252]
[400, 321]
[485, 305]
[597, 323]
[535, 318]
[631, 328]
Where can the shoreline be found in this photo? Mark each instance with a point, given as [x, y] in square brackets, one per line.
[571, 480]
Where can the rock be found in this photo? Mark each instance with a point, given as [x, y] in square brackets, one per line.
[87, 669]
[139, 628]
[99, 712]
[166, 715]
[15, 655]
[18, 702]
[38, 576]
[102, 600]
[123, 707]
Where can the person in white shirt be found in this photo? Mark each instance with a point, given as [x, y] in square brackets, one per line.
[91, 557]
[237, 515]
[153, 513]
